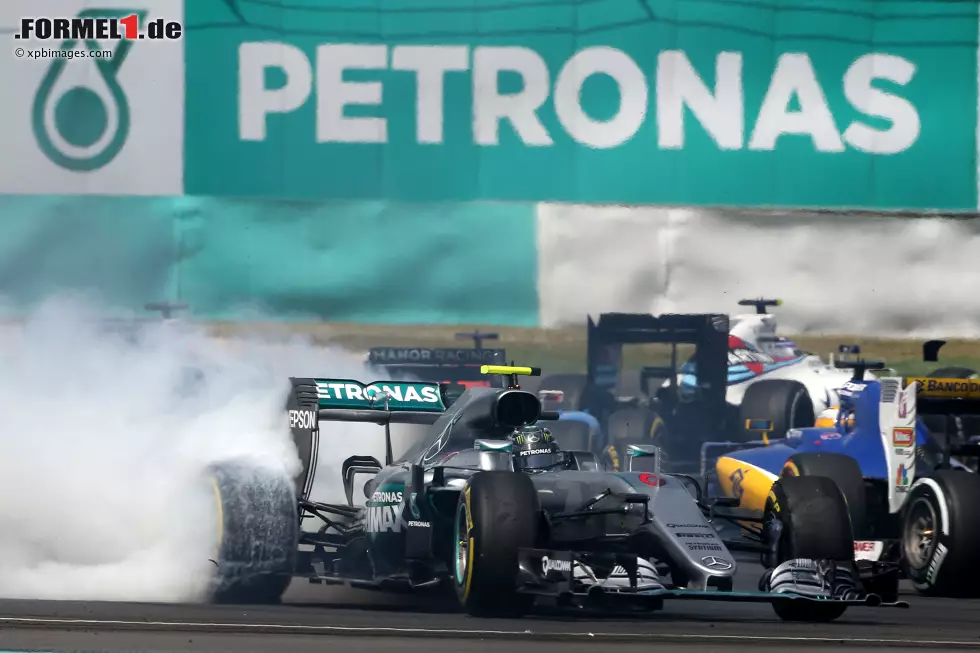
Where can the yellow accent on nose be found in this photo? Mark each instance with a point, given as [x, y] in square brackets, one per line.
[753, 481]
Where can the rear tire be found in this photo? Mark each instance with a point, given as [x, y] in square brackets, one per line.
[816, 526]
[845, 472]
[497, 515]
[786, 403]
[953, 372]
[258, 534]
[939, 552]
[631, 426]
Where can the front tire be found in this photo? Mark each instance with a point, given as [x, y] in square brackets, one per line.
[845, 472]
[941, 534]
[497, 515]
[816, 526]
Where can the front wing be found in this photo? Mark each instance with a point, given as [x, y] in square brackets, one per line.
[560, 585]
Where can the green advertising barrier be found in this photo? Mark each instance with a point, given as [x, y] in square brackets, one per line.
[367, 262]
[851, 103]
[122, 248]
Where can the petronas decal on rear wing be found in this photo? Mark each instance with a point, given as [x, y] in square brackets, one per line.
[379, 395]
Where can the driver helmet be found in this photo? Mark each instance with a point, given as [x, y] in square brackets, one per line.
[535, 448]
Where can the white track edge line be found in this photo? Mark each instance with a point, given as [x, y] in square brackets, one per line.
[222, 626]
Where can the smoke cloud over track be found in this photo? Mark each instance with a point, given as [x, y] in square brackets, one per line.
[893, 276]
[105, 432]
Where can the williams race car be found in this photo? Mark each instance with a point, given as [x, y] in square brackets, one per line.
[739, 368]
[911, 494]
[487, 506]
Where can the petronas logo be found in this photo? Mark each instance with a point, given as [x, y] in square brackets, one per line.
[81, 121]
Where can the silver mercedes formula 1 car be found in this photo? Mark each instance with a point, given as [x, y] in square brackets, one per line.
[489, 507]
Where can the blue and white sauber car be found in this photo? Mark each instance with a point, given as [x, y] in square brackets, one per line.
[896, 447]
[489, 507]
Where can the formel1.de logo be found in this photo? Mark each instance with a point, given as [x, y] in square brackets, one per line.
[89, 25]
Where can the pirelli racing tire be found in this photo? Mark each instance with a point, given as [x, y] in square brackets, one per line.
[846, 473]
[257, 533]
[815, 526]
[787, 403]
[631, 426]
[953, 372]
[941, 534]
[498, 513]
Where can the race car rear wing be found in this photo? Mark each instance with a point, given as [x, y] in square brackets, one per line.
[347, 400]
[951, 399]
[707, 332]
[946, 396]
[380, 402]
[379, 396]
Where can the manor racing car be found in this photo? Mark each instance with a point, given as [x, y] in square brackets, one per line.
[489, 505]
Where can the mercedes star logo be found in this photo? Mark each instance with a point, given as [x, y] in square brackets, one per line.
[711, 562]
[533, 437]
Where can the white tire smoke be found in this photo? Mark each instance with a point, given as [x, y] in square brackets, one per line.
[104, 435]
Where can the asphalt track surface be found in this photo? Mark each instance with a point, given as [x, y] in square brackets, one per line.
[317, 618]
